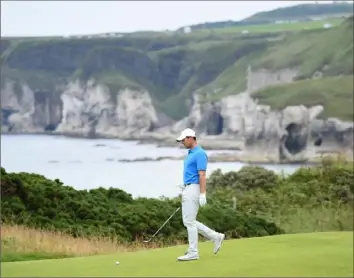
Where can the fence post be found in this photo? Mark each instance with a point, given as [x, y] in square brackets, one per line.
[234, 200]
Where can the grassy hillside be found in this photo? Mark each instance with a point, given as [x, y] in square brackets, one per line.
[302, 12]
[317, 52]
[173, 66]
[309, 255]
[328, 53]
[272, 27]
[334, 93]
[231, 81]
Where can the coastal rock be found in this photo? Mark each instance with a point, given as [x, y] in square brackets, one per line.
[282, 134]
[233, 122]
[335, 133]
[81, 109]
[17, 107]
[286, 134]
[94, 110]
[136, 111]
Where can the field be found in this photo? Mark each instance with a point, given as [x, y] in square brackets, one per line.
[281, 27]
[313, 254]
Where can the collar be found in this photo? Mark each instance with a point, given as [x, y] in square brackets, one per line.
[194, 149]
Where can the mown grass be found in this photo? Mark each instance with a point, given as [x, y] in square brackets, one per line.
[273, 28]
[310, 255]
[334, 93]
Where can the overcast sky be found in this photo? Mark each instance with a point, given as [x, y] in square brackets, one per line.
[42, 18]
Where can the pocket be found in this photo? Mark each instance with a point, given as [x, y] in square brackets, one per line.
[190, 194]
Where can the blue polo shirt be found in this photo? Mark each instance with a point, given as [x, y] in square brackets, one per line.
[195, 161]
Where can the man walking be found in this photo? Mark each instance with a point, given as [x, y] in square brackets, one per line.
[194, 195]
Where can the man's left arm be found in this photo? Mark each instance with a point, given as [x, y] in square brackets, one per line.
[202, 181]
[202, 162]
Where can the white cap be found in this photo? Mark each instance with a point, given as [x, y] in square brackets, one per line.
[186, 133]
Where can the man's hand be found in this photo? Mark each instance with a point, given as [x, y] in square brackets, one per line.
[202, 199]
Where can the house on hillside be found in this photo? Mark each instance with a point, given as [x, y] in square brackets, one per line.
[187, 30]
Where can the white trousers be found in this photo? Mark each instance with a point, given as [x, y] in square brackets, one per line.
[190, 207]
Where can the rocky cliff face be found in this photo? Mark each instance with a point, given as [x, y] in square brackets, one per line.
[91, 109]
[288, 134]
[25, 110]
[78, 109]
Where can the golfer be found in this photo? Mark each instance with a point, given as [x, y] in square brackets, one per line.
[194, 195]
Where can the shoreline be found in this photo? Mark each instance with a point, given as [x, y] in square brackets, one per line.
[225, 159]
[160, 140]
[220, 144]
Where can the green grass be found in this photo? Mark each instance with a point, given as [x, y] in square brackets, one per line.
[312, 254]
[28, 256]
[116, 81]
[273, 28]
[308, 51]
[231, 81]
[203, 62]
[197, 61]
[302, 11]
[329, 51]
[334, 93]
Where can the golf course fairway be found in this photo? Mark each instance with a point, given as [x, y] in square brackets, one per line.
[312, 254]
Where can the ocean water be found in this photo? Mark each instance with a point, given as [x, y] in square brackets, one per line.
[91, 163]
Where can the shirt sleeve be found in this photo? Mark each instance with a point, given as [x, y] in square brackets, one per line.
[202, 161]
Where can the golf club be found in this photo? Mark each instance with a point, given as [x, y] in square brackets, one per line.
[146, 241]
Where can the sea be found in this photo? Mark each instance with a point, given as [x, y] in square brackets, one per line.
[91, 163]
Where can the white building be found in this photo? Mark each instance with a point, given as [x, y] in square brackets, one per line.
[187, 30]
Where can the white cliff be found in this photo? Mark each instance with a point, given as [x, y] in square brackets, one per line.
[19, 106]
[91, 109]
[82, 109]
[286, 134]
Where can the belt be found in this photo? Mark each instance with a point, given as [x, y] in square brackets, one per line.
[187, 184]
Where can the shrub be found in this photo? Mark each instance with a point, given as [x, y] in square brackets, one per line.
[323, 193]
[34, 201]
[249, 177]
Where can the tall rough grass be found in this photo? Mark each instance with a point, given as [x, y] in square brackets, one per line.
[317, 219]
[23, 243]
